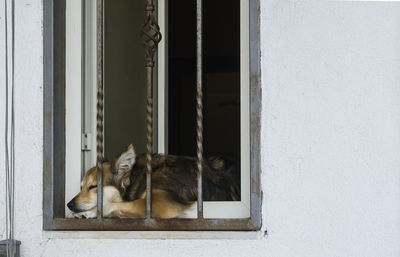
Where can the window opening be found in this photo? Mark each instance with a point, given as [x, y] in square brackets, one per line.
[236, 214]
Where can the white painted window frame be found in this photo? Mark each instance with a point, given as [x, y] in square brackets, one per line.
[75, 126]
[73, 92]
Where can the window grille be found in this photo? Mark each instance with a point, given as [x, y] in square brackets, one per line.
[54, 122]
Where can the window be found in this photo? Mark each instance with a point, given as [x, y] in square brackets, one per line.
[70, 59]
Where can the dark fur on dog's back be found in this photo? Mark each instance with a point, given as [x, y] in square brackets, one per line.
[177, 175]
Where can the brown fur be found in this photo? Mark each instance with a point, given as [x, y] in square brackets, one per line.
[174, 185]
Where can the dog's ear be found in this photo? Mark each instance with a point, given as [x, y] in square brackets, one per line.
[125, 162]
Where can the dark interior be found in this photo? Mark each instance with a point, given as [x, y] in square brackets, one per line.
[221, 77]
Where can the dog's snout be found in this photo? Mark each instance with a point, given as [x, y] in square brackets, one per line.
[71, 205]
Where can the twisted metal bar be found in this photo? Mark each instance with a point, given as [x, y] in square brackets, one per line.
[149, 139]
[151, 37]
[199, 108]
[100, 107]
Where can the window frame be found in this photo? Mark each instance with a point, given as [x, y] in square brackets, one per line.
[54, 139]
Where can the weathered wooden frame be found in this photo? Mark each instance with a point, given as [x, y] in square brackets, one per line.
[54, 139]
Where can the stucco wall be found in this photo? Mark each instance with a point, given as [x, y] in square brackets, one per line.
[330, 139]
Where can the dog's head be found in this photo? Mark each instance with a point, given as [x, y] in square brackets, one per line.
[116, 178]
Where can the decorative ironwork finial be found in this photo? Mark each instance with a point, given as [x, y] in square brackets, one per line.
[151, 34]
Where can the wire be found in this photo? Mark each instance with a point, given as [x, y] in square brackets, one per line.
[10, 129]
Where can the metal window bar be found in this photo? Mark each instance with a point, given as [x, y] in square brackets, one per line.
[100, 96]
[151, 37]
[199, 105]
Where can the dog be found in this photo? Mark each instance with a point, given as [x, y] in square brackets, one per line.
[173, 186]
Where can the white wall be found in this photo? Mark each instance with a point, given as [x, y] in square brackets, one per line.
[330, 139]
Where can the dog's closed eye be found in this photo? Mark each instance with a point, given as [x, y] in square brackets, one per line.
[91, 187]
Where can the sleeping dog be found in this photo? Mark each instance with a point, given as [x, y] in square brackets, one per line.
[174, 186]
